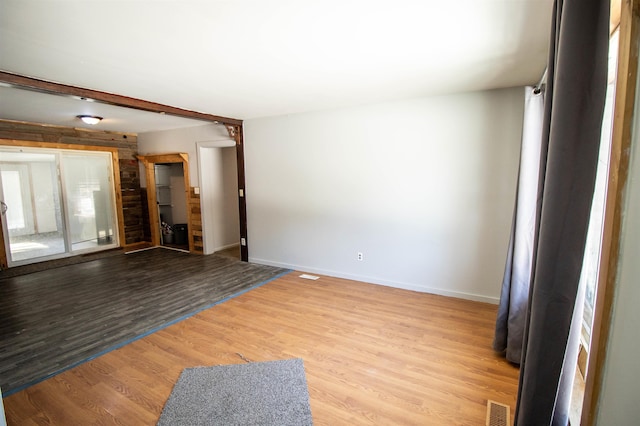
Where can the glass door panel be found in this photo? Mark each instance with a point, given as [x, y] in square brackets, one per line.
[33, 217]
[56, 203]
[88, 191]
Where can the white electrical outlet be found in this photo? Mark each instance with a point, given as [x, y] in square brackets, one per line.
[360, 256]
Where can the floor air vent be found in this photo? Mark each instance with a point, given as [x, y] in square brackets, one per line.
[497, 414]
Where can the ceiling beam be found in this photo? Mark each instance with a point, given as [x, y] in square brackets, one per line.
[43, 86]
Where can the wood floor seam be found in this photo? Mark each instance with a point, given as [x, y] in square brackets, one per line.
[55, 320]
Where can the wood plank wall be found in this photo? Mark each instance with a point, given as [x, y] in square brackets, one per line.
[146, 224]
[195, 226]
[127, 145]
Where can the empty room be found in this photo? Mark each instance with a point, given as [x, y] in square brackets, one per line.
[330, 213]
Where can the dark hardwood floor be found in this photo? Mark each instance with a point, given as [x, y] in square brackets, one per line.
[373, 355]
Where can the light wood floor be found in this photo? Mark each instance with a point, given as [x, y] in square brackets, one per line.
[373, 356]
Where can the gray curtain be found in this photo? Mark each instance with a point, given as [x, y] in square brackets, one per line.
[574, 104]
[514, 296]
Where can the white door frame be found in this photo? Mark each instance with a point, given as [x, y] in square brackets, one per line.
[207, 228]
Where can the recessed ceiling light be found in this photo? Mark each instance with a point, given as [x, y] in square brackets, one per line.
[90, 119]
[81, 98]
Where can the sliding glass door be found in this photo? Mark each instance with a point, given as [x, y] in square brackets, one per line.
[32, 210]
[88, 199]
[55, 203]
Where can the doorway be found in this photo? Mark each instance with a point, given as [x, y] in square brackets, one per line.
[172, 205]
[219, 197]
[56, 203]
[169, 200]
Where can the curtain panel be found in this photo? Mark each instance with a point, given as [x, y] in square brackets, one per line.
[514, 296]
[573, 111]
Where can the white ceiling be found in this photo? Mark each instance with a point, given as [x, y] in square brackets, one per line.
[247, 59]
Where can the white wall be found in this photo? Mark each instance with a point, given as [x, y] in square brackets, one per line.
[180, 140]
[219, 198]
[210, 195]
[230, 234]
[618, 403]
[423, 188]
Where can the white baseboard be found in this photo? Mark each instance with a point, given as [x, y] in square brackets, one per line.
[373, 280]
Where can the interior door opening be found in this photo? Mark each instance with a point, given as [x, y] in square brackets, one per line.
[219, 197]
[169, 202]
[172, 205]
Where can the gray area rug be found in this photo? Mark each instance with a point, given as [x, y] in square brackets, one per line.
[258, 393]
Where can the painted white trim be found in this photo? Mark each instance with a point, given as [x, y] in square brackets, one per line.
[378, 281]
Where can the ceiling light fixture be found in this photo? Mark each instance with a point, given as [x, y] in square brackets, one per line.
[90, 119]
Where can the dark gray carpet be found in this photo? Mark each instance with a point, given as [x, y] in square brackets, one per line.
[53, 320]
[260, 393]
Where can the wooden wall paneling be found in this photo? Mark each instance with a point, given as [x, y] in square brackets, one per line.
[146, 227]
[195, 223]
[187, 194]
[152, 202]
[132, 201]
[115, 166]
